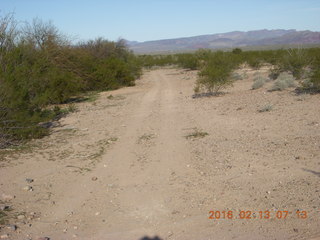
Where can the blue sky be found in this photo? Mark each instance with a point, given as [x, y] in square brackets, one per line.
[144, 20]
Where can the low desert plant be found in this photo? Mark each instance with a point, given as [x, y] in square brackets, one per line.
[213, 79]
[72, 108]
[274, 73]
[266, 108]
[315, 80]
[259, 81]
[284, 81]
[145, 137]
[3, 217]
[188, 60]
[215, 75]
[196, 134]
[295, 61]
[236, 76]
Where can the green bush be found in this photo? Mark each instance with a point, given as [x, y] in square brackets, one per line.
[213, 78]
[254, 61]
[38, 67]
[295, 61]
[237, 50]
[315, 80]
[188, 60]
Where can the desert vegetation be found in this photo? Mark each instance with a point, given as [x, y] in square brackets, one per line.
[41, 68]
[289, 68]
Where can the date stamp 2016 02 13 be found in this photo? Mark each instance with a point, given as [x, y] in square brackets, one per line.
[263, 214]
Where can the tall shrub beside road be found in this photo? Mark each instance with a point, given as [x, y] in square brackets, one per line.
[40, 67]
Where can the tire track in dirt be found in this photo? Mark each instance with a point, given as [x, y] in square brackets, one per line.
[151, 180]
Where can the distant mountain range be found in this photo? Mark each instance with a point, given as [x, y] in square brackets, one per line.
[234, 39]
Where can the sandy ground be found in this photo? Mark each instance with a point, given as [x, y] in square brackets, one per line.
[139, 164]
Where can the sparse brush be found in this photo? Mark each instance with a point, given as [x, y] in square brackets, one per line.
[294, 61]
[315, 80]
[266, 108]
[274, 73]
[5, 215]
[145, 137]
[72, 108]
[236, 76]
[2, 217]
[196, 134]
[259, 81]
[284, 81]
[302, 97]
[196, 89]
[92, 96]
[119, 97]
[256, 74]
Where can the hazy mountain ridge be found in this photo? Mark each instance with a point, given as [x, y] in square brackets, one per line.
[228, 40]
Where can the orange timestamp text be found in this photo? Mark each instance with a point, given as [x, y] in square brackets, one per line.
[265, 214]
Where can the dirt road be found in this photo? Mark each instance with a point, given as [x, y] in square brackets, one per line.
[152, 161]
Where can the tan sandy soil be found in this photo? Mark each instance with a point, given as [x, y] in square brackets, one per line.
[123, 167]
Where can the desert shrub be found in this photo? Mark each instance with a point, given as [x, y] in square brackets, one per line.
[306, 85]
[216, 71]
[266, 108]
[254, 63]
[38, 67]
[284, 81]
[253, 59]
[295, 61]
[197, 133]
[259, 81]
[215, 75]
[315, 80]
[274, 73]
[213, 79]
[188, 60]
[236, 76]
[149, 61]
[237, 50]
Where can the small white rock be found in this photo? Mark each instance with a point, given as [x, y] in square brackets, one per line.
[97, 213]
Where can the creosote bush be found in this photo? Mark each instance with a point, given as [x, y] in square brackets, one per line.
[215, 75]
[39, 67]
[315, 80]
[216, 68]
